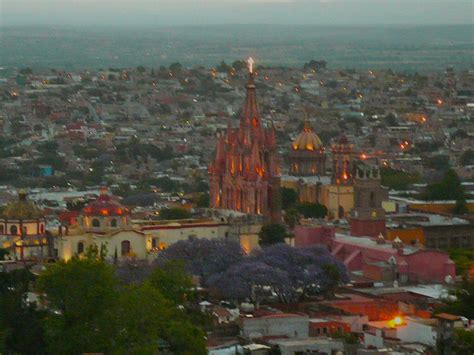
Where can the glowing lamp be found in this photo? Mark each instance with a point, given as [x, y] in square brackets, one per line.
[397, 321]
[104, 212]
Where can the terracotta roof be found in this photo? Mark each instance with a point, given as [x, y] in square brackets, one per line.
[447, 316]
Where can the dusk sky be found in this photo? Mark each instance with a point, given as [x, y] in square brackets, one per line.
[201, 12]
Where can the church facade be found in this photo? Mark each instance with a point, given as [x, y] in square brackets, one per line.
[245, 173]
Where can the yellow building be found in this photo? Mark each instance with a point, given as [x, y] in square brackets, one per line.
[107, 225]
[23, 230]
[338, 199]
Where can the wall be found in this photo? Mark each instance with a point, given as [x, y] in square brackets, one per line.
[407, 235]
[277, 325]
[417, 332]
[307, 236]
[172, 233]
[68, 245]
[430, 265]
[333, 196]
[437, 207]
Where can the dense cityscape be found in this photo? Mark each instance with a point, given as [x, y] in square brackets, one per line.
[236, 208]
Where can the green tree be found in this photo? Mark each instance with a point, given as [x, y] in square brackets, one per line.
[312, 210]
[461, 205]
[143, 316]
[292, 217]
[21, 323]
[239, 65]
[172, 281]
[79, 294]
[174, 213]
[289, 197]
[467, 158]
[272, 234]
[449, 188]
[463, 304]
[397, 179]
[176, 68]
[464, 260]
[463, 342]
[203, 200]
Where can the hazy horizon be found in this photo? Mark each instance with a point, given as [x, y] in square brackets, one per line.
[236, 12]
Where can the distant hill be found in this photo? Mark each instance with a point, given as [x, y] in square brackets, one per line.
[407, 48]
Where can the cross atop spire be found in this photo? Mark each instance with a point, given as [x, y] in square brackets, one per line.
[250, 62]
[307, 125]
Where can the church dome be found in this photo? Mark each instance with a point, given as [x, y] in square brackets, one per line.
[21, 209]
[307, 140]
[105, 205]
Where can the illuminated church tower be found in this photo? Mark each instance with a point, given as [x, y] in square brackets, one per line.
[342, 162]
[245, 174]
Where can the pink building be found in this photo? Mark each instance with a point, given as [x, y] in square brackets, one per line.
[378, 259]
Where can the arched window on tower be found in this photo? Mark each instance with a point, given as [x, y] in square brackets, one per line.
[113, 223]
[13, 230]
[2, 230]
[95, 223]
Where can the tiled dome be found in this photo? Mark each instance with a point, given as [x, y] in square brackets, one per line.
[307, 140]
[105, 205]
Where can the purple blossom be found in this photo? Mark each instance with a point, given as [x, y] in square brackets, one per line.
[203, 257]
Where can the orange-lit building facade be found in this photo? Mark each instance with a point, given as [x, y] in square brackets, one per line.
[245, 174]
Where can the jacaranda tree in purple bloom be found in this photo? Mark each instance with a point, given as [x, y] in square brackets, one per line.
[289, 272]
[203, 257]
[310, 269]
[247, 275]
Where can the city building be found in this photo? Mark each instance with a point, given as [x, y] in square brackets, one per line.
[368, 216]
[23, 230]
[104, 224]
[379, 260]
[307, 156]
[245, 173]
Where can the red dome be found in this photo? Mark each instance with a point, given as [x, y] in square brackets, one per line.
[105, 205]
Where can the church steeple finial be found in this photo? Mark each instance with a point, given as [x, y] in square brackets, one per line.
[307, 126]
[250, 62]
[250, 114]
